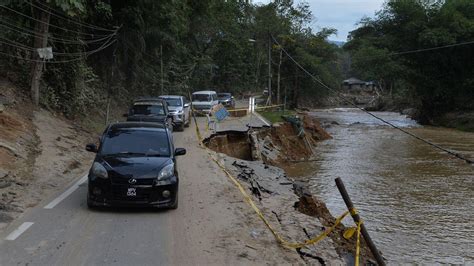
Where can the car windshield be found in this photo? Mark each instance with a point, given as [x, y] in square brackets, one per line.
[173, 101]
[132, 142]
[223, 95]
[201, 98]
[148, 109]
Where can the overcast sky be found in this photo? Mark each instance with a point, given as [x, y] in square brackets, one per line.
[339, 14]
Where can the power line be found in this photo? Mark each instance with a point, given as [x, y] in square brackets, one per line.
[456, 155]
[420, 50]
[432, 48]
[87, 25]
[25, 47]
[50, 25]
[104, 46]
[29, 32]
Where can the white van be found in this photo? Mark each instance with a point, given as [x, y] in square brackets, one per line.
[203, 101]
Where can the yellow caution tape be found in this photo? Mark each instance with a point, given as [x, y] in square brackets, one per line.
[358, 243]
[349, 232]
[259, 213]
[353, 211]
[256, 108]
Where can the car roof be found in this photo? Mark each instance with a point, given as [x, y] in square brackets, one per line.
[226, 93]
[204, 92]
[138, 125]
[142, 99]
[160, 103]
[170, 96]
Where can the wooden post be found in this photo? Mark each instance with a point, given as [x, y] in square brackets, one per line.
[356, 217]
[41, 40]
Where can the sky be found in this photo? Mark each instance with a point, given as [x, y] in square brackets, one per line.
[339, 14]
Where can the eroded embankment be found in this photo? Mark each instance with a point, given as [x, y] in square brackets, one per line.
[286, 203]
[39, 151]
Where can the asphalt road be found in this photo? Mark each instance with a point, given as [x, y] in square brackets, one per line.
[206, 229]
[63, 231]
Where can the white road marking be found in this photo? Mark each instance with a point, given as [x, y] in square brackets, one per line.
[66, 193]
[20, 230]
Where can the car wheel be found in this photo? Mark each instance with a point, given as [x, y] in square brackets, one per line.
[188, 123]
[175, 204]
[180, 127]
[90, 205]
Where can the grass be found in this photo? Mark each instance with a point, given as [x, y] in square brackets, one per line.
[275, 116]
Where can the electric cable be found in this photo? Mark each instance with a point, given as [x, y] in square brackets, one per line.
[104, 46]
[419, 50]
[30, 32]
[456, 155]
[55, 14]
[49, 24]
[21, 46]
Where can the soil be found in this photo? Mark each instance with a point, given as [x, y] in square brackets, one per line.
[39, 152]
[286, 203]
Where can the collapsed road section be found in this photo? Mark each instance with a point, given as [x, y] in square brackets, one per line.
[254, 157]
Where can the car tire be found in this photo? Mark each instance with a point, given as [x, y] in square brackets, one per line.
[180, 127]
[175, 203]
[187, 124]
[90, 205]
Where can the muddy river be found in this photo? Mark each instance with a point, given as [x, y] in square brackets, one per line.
[417, 202]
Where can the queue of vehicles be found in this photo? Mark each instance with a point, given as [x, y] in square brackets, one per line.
[135, 162]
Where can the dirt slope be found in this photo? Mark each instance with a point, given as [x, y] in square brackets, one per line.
[39, 151]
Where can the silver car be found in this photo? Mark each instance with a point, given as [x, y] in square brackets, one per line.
[180, 109]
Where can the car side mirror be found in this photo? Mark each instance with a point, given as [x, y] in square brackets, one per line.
[186, 105]
[179, 151]
[232, 97]
[91, 147]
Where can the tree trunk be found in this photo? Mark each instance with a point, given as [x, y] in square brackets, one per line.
[41, 40]
[278, 81]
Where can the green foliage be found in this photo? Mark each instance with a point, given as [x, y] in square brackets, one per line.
[275, 116]
[438, 80]
[198, 44]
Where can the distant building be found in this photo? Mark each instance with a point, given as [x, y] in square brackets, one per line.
[357, 84]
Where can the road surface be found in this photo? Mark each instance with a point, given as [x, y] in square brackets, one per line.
[63, 231]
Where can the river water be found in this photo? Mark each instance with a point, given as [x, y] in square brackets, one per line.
[417, 202]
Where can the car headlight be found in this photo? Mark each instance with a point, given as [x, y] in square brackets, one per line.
[166, 172]
[99, 170]
[179, 112]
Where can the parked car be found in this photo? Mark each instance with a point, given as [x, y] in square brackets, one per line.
[179, 108]
[150, 110]
[226, 99]
[204, 101]
[135, 165]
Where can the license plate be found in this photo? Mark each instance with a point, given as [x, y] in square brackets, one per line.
[132, 192]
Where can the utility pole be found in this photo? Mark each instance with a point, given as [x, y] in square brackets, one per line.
[279, 76]
[161, 60]
[269, 68]
[41, 40]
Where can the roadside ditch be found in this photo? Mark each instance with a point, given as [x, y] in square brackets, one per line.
[258, 157]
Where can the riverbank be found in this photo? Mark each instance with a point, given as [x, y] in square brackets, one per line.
[460, 119]
[257, 158]
[406, 191]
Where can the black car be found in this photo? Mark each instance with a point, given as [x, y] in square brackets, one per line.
[150, 110]
[226, 99]
[135, 165]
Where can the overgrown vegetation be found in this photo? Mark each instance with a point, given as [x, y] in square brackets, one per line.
[121, 49]
[275, 116]
[435, 81]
